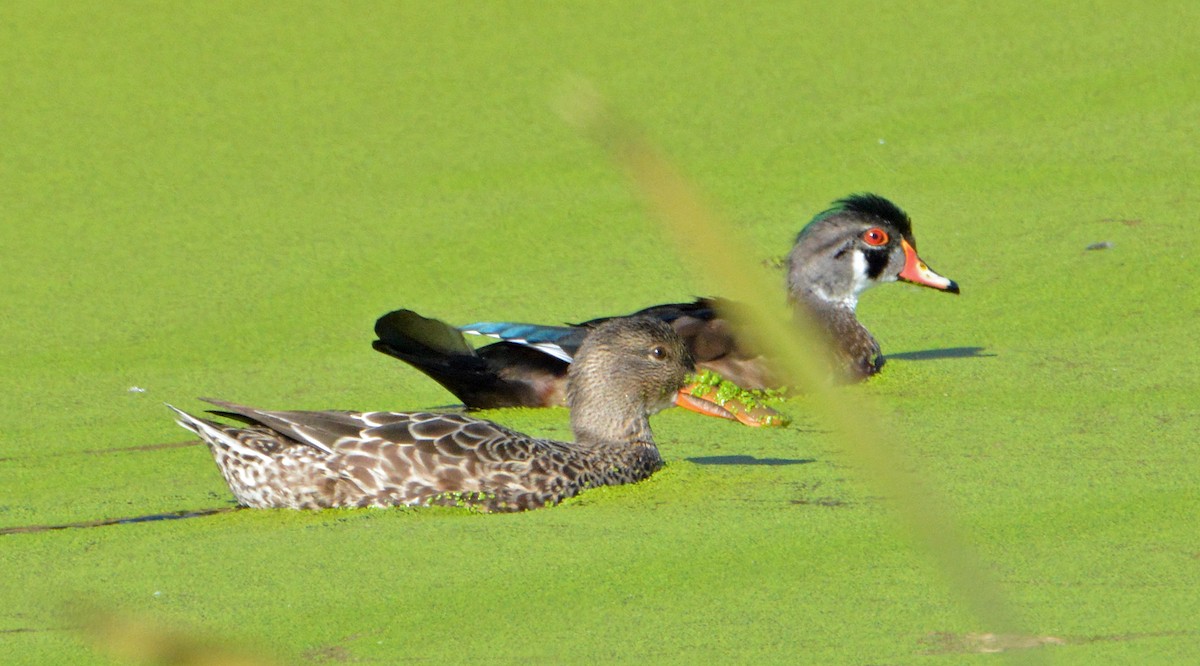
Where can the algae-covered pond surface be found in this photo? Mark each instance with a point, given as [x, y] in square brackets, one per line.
[219, 198]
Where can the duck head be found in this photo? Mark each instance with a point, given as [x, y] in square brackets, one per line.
[862, 241]
[626, 369]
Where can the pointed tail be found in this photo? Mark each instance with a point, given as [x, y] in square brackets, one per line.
[213, 434]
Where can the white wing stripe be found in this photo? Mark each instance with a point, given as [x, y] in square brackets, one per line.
[547, 347]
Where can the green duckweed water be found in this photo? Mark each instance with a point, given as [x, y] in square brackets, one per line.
[219, 198]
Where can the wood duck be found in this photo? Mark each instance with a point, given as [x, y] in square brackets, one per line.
[624, 371]
[861, 241]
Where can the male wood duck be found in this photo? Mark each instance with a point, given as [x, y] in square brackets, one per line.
[624, 371]
[861, 241]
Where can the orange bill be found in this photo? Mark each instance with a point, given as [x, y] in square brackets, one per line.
[702, 399]
[917, 271]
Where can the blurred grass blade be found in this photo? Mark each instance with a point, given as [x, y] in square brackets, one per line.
[793, 346]
[134, 639]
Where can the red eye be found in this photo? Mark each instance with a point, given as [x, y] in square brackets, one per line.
[875, 237]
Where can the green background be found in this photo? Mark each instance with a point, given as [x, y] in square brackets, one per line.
[219, 198]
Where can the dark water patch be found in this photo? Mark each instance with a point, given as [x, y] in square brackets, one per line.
[328, 654]
[102, 452]
[936, 354]
[808, 496]
[145, 447]
[987, 643]
[984, 643]
[154, 517]
[831, 502]
[748, 460]
[1132, 636]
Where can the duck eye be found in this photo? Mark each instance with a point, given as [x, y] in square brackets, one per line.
[658, 353]
[875, 236]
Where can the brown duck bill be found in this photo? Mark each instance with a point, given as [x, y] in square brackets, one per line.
[733, 410]
[917, 271]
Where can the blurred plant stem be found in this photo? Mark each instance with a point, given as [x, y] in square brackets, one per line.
[136, 639]
[797, 349]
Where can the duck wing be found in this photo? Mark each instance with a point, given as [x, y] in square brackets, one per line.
[712, 339]
[322, 430]
[703, 309]
[561, 342]
[392, 458]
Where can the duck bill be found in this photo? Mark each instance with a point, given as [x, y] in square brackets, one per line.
[917, 271]
[704, 403]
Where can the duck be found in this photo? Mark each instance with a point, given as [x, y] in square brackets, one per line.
[861, 241]
[624, 371]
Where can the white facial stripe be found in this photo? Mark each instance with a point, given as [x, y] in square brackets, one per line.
[861, 281]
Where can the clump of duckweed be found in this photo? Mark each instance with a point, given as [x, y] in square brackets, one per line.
[734, 398]
[474, 501]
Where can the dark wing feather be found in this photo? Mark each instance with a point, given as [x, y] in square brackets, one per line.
[498, 375]
[701, 308]
[711, 338]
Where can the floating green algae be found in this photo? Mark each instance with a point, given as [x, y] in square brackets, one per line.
[737, 399]
[219, 199]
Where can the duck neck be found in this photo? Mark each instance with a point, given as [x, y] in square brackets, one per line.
[849, 338]
[610, 420]
[824, 308]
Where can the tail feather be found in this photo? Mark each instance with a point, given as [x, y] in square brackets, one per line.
[407, 332]
[214, 434]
